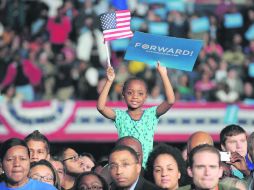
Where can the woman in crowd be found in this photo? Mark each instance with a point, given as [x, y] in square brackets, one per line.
[45, 172]
[88, 161]
[15, 158]
[90, 180]
[166, 167]
[59, 167]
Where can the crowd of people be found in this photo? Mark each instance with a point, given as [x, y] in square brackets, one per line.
[55, 49]
[29, 163]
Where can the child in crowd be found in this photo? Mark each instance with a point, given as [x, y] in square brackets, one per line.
[136, 122]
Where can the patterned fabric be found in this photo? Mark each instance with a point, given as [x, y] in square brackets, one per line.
[142, 129]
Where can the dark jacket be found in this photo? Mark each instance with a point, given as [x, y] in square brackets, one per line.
[192, 187]
[142, 184]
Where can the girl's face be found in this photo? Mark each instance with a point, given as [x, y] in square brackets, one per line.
[165, 172]
[58, 166]
[90, 182]
[16, 165]
[87, 163]
[42, 173]
[135, 94]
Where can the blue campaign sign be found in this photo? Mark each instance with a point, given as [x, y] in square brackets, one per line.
[251, 70]
[176, 53]
[249, 34]
[153, 1]
[161, 12]
[136, 23]
[231, 114]
[176, 5]
[161, 28]
[200, 25]
[120, 44]
[233, 20]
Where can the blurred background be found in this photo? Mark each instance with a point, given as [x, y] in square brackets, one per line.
[53, 59]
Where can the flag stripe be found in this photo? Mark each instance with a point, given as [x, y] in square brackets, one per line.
[121, 25]
[123, 11]
[123, 19]
[123, 16]
[125, 36]
[113, 33]
[116, 30]
[118, 34]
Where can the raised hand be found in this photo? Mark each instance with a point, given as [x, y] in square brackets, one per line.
[110, 74]
[162, 70]
[239, 162]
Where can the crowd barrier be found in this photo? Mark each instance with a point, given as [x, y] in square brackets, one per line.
[79, 121]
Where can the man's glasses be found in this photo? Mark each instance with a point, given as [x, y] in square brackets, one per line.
[38, 177]
[73, 158]
[124, 165]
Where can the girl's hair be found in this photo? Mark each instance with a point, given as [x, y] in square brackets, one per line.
[79, 178]
[170, 150]
[90, 156]
[128, 81]
[50, 166]
[11, 143]
[56, 158]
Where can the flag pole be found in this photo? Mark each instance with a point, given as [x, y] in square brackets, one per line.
[108, 56]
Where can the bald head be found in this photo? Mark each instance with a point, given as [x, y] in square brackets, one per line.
[198, 138]
[133, 143]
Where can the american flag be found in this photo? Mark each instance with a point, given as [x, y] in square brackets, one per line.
[116, 25]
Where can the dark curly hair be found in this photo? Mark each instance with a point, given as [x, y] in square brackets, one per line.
[79, 178]
[170, 150]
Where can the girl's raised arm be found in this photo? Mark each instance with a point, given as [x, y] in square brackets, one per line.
[170, 96]
[102, 100]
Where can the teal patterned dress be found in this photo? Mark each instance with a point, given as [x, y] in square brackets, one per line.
[142, 129]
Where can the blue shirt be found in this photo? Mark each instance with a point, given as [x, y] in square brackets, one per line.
[30, 185]
[249, 164]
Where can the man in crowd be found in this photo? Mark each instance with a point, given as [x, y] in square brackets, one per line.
[134, 144]
[125, 170]
[38, 145]
[198, 138]
[205, 169]
[233, 139]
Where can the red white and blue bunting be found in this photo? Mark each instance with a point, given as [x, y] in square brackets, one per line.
[80, 121]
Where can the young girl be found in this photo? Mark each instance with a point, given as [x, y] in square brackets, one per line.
[135, 121]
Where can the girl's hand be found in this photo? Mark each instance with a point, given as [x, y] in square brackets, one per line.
[162, 70]
[110, 74]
